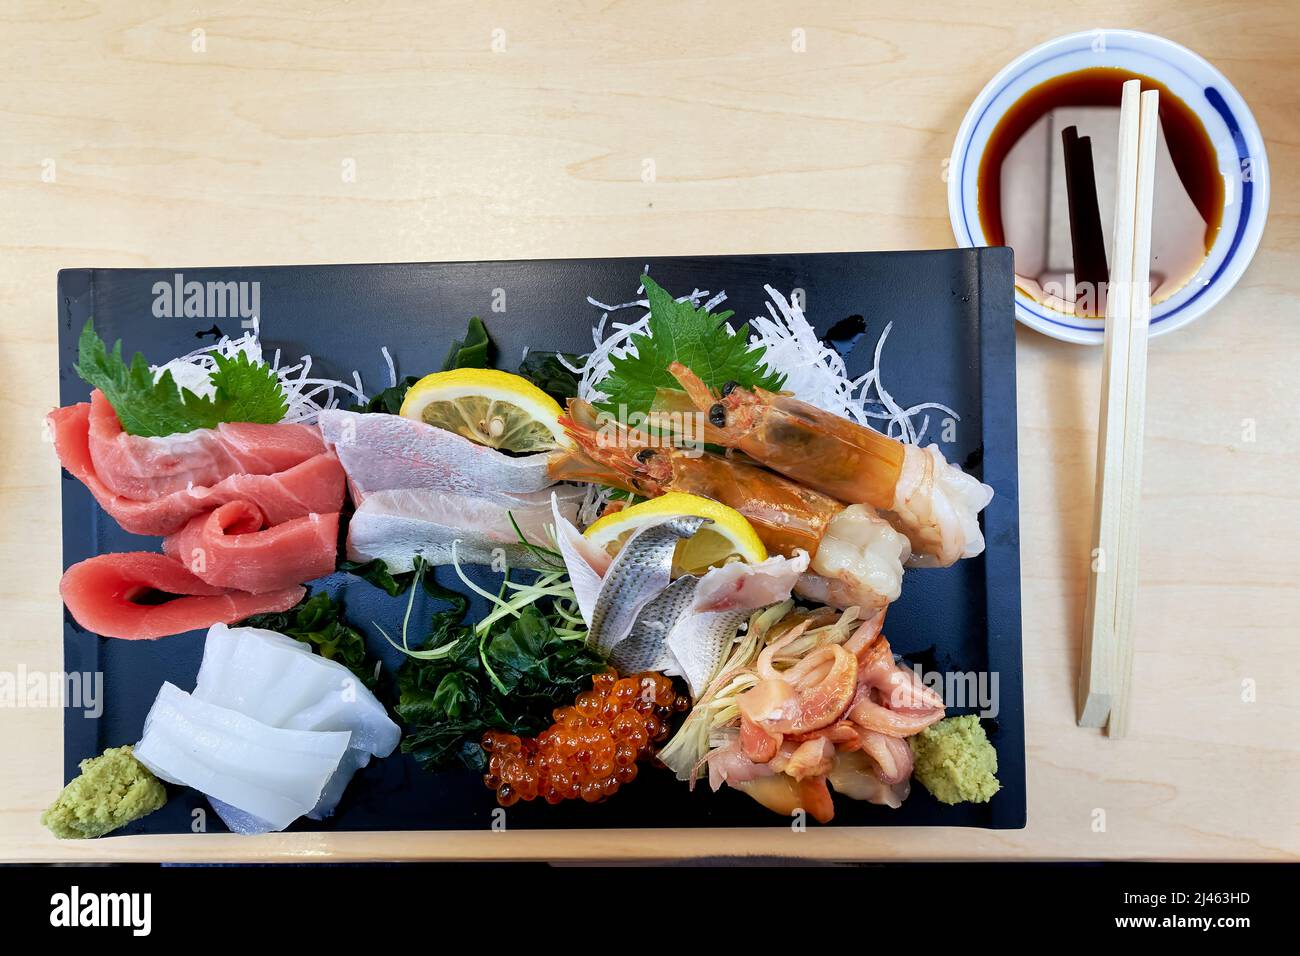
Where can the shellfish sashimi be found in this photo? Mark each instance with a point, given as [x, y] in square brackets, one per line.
[780, 706]
[272, 775]
[387, 452]
[731, 765]
[775, 790]
[235, 547]
[857, 776]
[315, 484]
[892, 755]
[115, 595]
[818, 698]
[395, 525]
[147, 468]
[278, 681]
[786, 796]
[900, 688]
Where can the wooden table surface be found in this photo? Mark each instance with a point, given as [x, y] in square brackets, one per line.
[483, 130]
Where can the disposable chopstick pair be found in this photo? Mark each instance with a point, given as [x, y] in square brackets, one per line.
[1107, 659]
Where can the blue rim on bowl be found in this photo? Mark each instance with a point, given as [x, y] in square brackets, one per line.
[1233, 133]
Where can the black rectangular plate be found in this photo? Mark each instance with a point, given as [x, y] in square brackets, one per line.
[952, 342]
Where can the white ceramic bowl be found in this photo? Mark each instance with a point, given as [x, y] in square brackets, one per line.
[1236, 139]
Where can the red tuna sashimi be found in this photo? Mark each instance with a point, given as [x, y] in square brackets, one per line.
[233, 547]
[148, 468]
[314, 486]
[104, 596]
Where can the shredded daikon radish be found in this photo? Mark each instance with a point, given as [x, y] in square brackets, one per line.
[307, 396]
[815, 372]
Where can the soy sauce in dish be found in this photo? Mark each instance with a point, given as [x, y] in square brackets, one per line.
[1022, 195]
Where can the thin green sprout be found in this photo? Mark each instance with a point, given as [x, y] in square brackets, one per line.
[432, 654]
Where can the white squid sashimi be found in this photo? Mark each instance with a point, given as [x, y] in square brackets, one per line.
[387, 452]
[271, 774]
[278, 681]
[397, 524]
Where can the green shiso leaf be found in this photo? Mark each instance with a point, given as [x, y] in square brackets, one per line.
[244, 391]
[680, 332]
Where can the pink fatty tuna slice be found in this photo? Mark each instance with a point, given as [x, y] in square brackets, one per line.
[314, 484]
[149, 468]
[113, 595]
[234, 547]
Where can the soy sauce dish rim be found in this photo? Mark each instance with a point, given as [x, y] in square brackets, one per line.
[1234, 136]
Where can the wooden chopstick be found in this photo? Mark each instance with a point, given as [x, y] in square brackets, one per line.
[1126, 558]
[1104, 665]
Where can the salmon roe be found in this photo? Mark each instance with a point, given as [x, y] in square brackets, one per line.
[593, 747]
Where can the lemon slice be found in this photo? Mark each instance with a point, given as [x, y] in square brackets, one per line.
[488, 407]
[728, 535]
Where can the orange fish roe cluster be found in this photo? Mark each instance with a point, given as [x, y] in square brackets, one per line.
[592, 748]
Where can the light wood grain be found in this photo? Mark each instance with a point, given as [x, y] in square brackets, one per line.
[166, 157]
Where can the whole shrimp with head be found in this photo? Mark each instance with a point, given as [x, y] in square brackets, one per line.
[922, 495]
[856, 556]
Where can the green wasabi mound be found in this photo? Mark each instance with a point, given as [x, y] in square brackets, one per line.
[955, 761]
[113, 790]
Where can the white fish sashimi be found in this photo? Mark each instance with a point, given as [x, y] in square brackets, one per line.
[640, 571]
[585, 561]
[722, 602]
[643, 620]
[272, 774]
[387, 452]
[699, 644]
[646, 646]
[268, 677]
[747, 587]
[396, 525]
